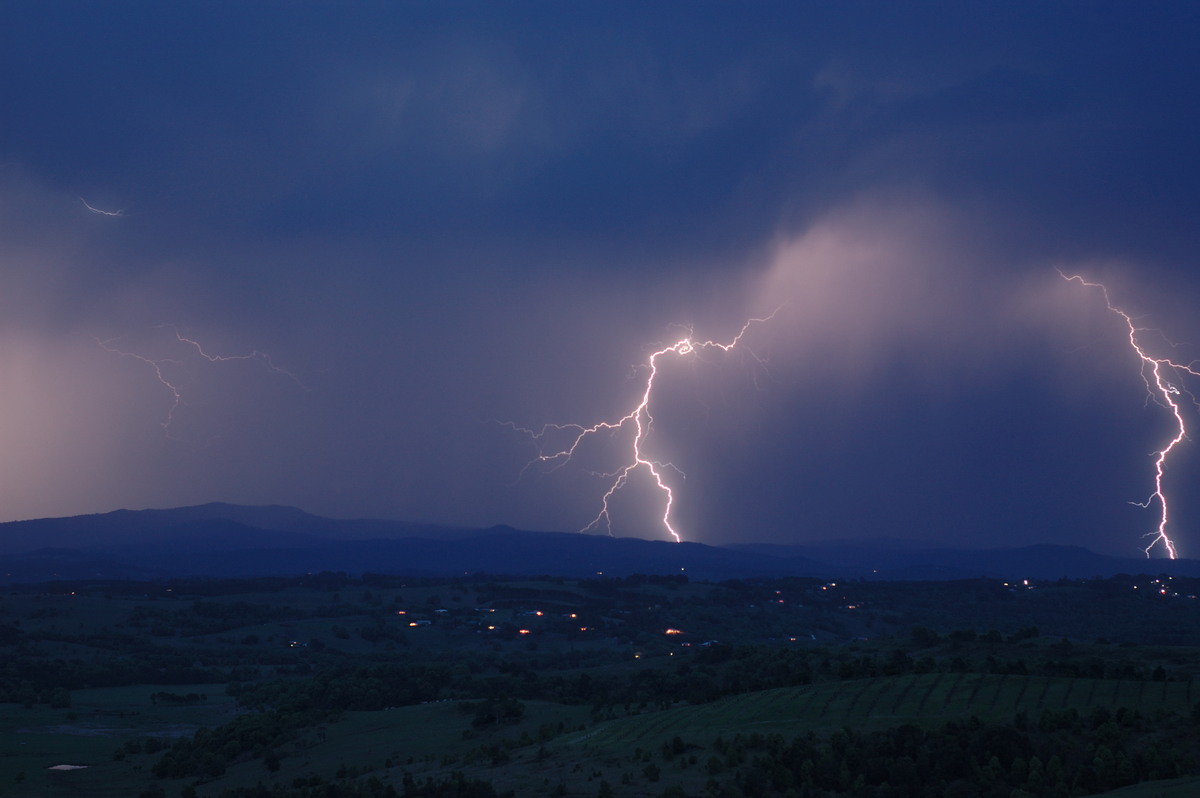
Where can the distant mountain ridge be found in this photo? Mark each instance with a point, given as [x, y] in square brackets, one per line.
[227, 540]
[139, 527]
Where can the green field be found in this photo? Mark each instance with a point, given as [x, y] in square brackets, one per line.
[435, 739]
[604, 694]
[89, 731]
[884, 702]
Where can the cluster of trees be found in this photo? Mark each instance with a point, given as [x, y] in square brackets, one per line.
[47, 680]
[286, 709]
[366, 687]
[1062, 755]
[456, 785]
[28, 695]
[208, 752]
[202, 617]
[492, 711]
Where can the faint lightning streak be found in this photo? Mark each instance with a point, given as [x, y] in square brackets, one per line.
[1163, 393]
[642, 420]
[99, 210]
[262, 357]
[157, 366]
[176, 392]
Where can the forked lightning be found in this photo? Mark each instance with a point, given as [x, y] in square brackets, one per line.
[640, 419]
[1163, 378]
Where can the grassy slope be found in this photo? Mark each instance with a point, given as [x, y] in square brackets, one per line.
[884, 702]
[435, 739]
[88, 732]
[1175, 788]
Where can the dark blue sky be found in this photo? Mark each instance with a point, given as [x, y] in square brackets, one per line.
[437, 217]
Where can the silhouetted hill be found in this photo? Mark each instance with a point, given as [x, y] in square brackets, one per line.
[223, 540]
[143, 527]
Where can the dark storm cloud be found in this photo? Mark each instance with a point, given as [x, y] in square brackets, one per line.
[440, 216]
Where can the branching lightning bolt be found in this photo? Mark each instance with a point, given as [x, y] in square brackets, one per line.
[1156, 373]
[641, 421]
[159, 366]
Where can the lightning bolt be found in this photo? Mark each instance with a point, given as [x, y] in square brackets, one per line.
[100, 211]
[1156, 374]
[641, 421]
[161, 366]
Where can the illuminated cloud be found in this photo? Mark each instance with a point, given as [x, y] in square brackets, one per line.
[435, 220]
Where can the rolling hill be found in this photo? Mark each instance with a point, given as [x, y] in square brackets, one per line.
[226, 540]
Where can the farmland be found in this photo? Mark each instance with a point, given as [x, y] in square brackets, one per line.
[335, 685]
